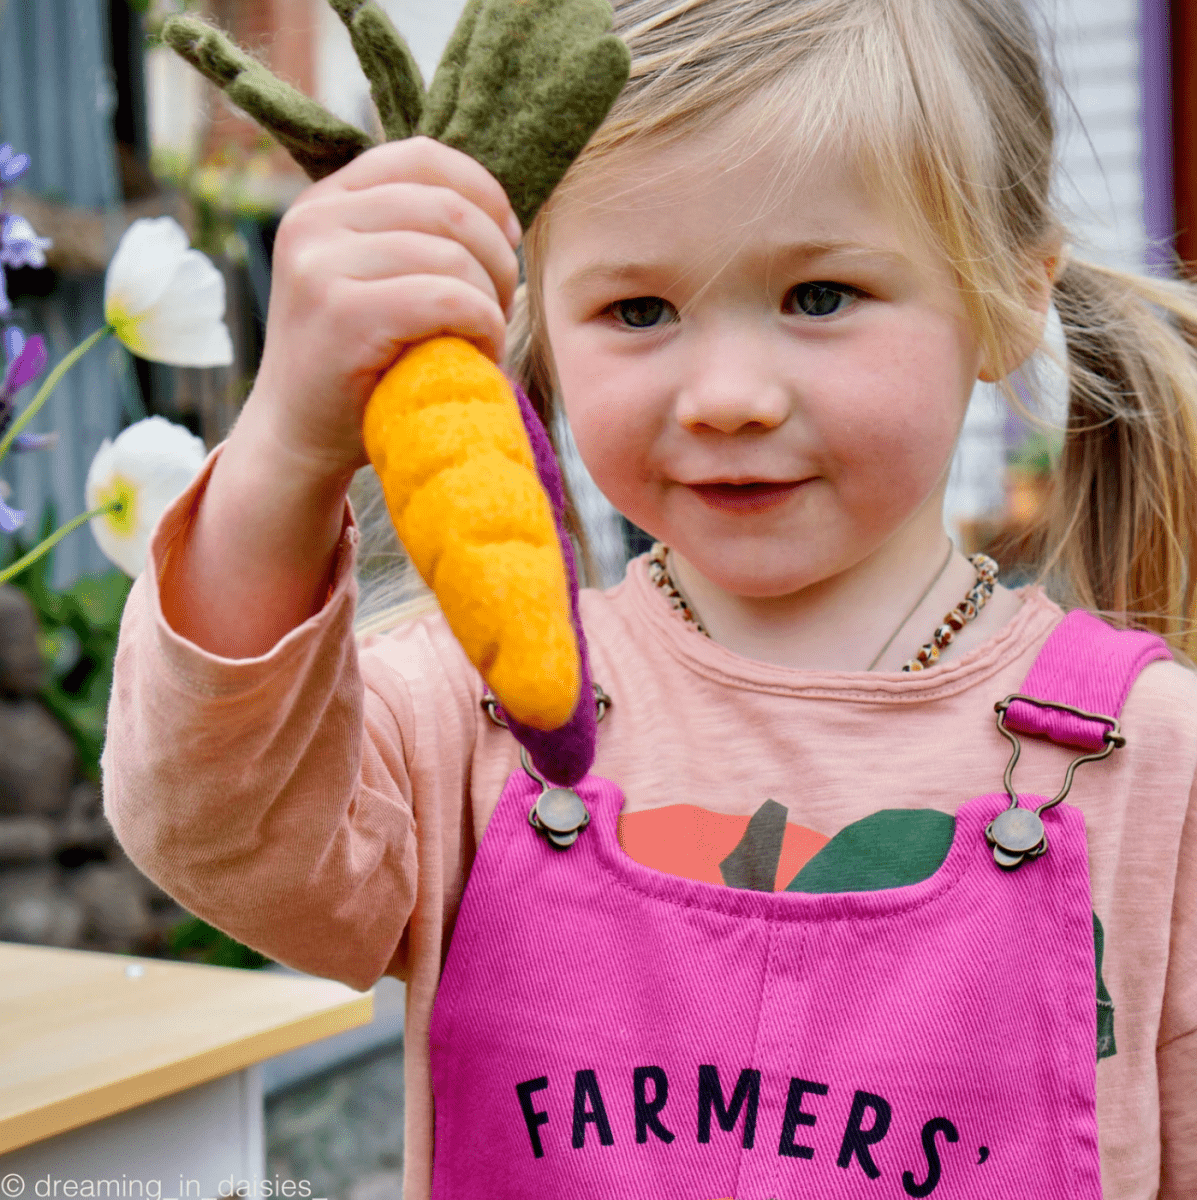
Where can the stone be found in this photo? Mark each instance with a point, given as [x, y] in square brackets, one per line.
[84, 831]
[86, 802]
[35, 909]
[115, 915]
[22, 672]
[26, 839]
[37, 760]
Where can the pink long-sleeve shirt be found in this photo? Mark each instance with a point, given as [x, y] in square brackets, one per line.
[323, 802]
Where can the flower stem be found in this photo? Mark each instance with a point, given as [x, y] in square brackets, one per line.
[29, 559]
[51, 382]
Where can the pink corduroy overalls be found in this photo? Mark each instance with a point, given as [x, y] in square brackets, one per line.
[604, 1030]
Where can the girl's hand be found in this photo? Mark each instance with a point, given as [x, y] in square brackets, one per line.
[410, 239]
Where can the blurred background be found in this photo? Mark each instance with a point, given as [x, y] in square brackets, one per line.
[118, 128]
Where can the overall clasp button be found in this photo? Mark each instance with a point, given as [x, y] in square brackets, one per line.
[558, 812]
[1017, 834]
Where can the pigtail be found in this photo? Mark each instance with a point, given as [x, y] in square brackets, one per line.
[1118, 531]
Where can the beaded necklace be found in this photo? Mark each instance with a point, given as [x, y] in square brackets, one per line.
[974, 600]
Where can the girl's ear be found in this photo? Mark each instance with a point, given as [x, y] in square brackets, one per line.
[1037, 293]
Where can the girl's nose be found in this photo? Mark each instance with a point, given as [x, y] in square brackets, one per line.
[729, 385]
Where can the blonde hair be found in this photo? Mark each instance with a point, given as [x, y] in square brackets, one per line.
[946, 102]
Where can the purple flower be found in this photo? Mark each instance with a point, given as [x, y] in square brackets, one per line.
[19, 244]
[12, 166]
[26, 360]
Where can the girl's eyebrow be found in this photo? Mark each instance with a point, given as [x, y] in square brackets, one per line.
[827, 248]
[619, 270]
[609, 271]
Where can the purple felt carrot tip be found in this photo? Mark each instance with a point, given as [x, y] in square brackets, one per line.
[562, 755]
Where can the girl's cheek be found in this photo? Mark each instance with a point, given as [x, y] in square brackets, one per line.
[890, 446]
[608, 402]
[914, 389]
[617, 452]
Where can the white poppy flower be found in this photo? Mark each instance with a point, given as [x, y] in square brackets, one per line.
[164, 300]
[148, 466]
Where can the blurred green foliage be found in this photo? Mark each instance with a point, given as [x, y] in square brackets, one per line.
[78, 635]
[194, 940]
[221, 193]
[1038, 454]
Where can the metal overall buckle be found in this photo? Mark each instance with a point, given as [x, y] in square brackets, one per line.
[1017, 833]
[559, 812]
[490, 702]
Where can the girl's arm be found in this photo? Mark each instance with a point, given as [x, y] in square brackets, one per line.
[268, 794]
[246, 769]
[1177, 1050]
[257, 558]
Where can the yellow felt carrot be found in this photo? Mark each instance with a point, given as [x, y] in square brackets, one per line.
[444, 432]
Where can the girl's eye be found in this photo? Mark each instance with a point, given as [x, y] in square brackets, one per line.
[643, 312]
[819, 299]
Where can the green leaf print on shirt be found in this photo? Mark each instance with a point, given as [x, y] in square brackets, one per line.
[897, 847]
[891, 848]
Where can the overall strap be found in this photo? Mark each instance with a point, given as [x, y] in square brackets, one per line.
[1086, 664]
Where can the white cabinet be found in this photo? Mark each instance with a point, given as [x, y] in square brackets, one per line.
[137, 1079]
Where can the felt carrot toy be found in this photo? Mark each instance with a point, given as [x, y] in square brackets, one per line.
[467, 469]
[463, 492]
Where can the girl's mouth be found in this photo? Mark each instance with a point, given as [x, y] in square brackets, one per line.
[744, 497]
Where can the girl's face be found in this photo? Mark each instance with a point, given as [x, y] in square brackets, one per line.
[705, 337]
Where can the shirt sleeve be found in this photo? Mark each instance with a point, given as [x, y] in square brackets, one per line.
[1177, 1049]
[269, 796]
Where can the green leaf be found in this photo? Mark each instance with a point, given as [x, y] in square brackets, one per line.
[319, 142]
[34, 581]
[522, 87]
[101, 598]
[394, 75]
[91, 610]
[890, 848]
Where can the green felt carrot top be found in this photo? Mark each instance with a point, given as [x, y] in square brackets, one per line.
[521, 87]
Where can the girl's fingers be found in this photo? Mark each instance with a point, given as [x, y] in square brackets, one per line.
[431, 210]
[422, 160]
[411, 308]
[370, 256]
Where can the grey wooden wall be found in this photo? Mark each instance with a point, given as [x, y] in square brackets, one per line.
[56, 103]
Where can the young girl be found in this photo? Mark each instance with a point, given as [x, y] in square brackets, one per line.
[763, 296]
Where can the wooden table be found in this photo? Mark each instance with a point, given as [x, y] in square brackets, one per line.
[138, 1079]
